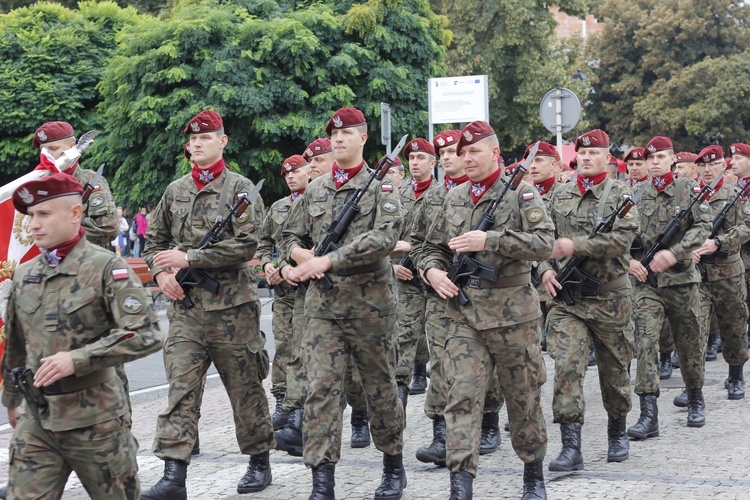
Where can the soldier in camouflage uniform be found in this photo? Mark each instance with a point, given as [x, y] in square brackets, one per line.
[741, 168]
[222, 328]
[723, 290]
[484, 339]
[296, 173]
[74, 313]
[676, 297]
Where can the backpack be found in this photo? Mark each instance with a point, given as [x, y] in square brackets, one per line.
[133, 232]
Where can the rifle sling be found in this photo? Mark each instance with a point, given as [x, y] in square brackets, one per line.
[367, 268]
[70, 384]
[603, 200]
[503, 282]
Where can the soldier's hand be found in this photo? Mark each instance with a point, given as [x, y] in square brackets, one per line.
[402, 273]
[663, 260]
[272, 274]
[402, 246]
[300, 255]
[54, 368]
[283, 274]
[564, 247]
[171, 258]
[473, 241]
[551, 285]
[708, 246]
[312, 268]
[439, 281]
[168, 284]
[696, 257]
[13, 415]
[638, 270]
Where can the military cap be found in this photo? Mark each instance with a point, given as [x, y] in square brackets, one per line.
[685, 157]
[207, 120]
[445, 138]
[658, 143]
[34, 192]
[293, 163]
[345, 118]
[635, 154]
[739, 148]
[593, 139]
[317, 147]
[52, 131]
[474, 132]
[710, 153]
[545, 149]
[417, 145]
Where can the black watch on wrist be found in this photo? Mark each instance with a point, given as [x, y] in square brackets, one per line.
[718, 244]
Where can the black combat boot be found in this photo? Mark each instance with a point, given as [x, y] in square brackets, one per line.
[289, 439]
[435, 453]
[675, 360]
[323, 482]
[665, 365]
[507, 426]
[393, 481]
[713, 347]
[533, 481]
[592, 353]
[736, 382]
[696, 408]
[360, 429]
[403, 395]
[462, 485]
[419, 379]
[619, 446]
[490, 439]
[570, 457]
[681, 400]
[197, 445]
[258, 474]
[648, 423]
[171, 485]
[280, 416]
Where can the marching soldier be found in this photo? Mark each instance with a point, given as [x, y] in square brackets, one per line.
[484, 339]
[637, 168]
[222, 328]
[741, 168]
[684, 166]
[75, 313]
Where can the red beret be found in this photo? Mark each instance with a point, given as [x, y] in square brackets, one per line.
[510, 168]
[417, 145]
[635, 154]
[293, 163]
[345, 118]
[545, 149]
[658, 143]
[52, 131]
[445, 138]
[685, 157]
[187, 152]
[709, 154]
[740, 149]
[53, 186]
[612, 160]
[474, 132]
[593, 139]
[317, 147]
[573, 163]
[397, 162]
[206, 121]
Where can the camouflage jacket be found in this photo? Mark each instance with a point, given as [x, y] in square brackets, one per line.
[733, 233]
[745, 248]
[270, 238]
[424, 215]
[104, 318]
[547, 198]
[522, 232]
[409, 207]
[575, 215]
[99, 214]
[368, 241]
[655, 210]
[184, 216]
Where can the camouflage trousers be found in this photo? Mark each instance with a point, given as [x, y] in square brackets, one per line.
[411, 324]
[423, 354]
[103, 456]
[329, 347]
[680, 306]
[726, 301]
[232, 340]
[569, 328]
[437, 326]
[283, 308]
[514, 354]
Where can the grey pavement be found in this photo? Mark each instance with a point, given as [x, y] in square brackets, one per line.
[710, 462]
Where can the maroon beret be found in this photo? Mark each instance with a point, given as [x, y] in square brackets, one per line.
[685, 157]
[740, 149]
[445, 138]
[635, 154]
[52, 131]
[710, 153]
[293, 163]
[612, 160]
[32, 193]
[593, 139]
[658, 143]
[317, 147]
[573, 163]
[206, 121]
[417, 145]
[186, 151]
[474, 132]
[510, 168]
[545, 149]
[397, 162]
[345, 118]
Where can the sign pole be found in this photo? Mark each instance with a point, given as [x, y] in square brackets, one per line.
[559, 122]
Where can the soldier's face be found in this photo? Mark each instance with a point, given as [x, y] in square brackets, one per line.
[709, 171]
[207, 148]
[56, 148]
[451, 162]
[320, 165]
[421, 165]
[542, 168]
[297, 179]
[660, 163]
[592, 161]
[55, 221]
[637, 169]
[480, 159]
[347, 146]
[741, 166]
[685, 169]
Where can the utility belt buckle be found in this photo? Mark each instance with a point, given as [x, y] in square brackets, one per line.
[475, 282]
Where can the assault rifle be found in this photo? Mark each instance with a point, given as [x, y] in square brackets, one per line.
[466, 265]
[190, 277]
[351, 208]
[408, 263]
[572, 274]
[670, 230]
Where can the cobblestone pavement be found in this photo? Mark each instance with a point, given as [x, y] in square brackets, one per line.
[710, 462]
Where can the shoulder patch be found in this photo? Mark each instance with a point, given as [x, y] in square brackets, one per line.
[535, 214]
[243, 217]
[696, 189]
[131, 304]
[527, 196]
[386, 188]
[389, 207]
[746, 210]
[96, 201]
[119, 274]
[704, 207]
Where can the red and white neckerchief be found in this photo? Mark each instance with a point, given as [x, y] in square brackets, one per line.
[661, 182]
[712, 192]
[479, 188]
[420, 187]
[451, 183]
[46, 162]
[586, 183]
[201, 177]
[296, 194]
[342, 175]
[633, 182]
[544, 186]
[743, 182]
[55, 255]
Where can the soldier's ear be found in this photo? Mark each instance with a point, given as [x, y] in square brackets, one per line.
[76, 212]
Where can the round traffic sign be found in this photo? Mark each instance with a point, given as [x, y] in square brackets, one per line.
[570, 109]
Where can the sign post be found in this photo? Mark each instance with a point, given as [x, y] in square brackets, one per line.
[385, 126]
[560, 111]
